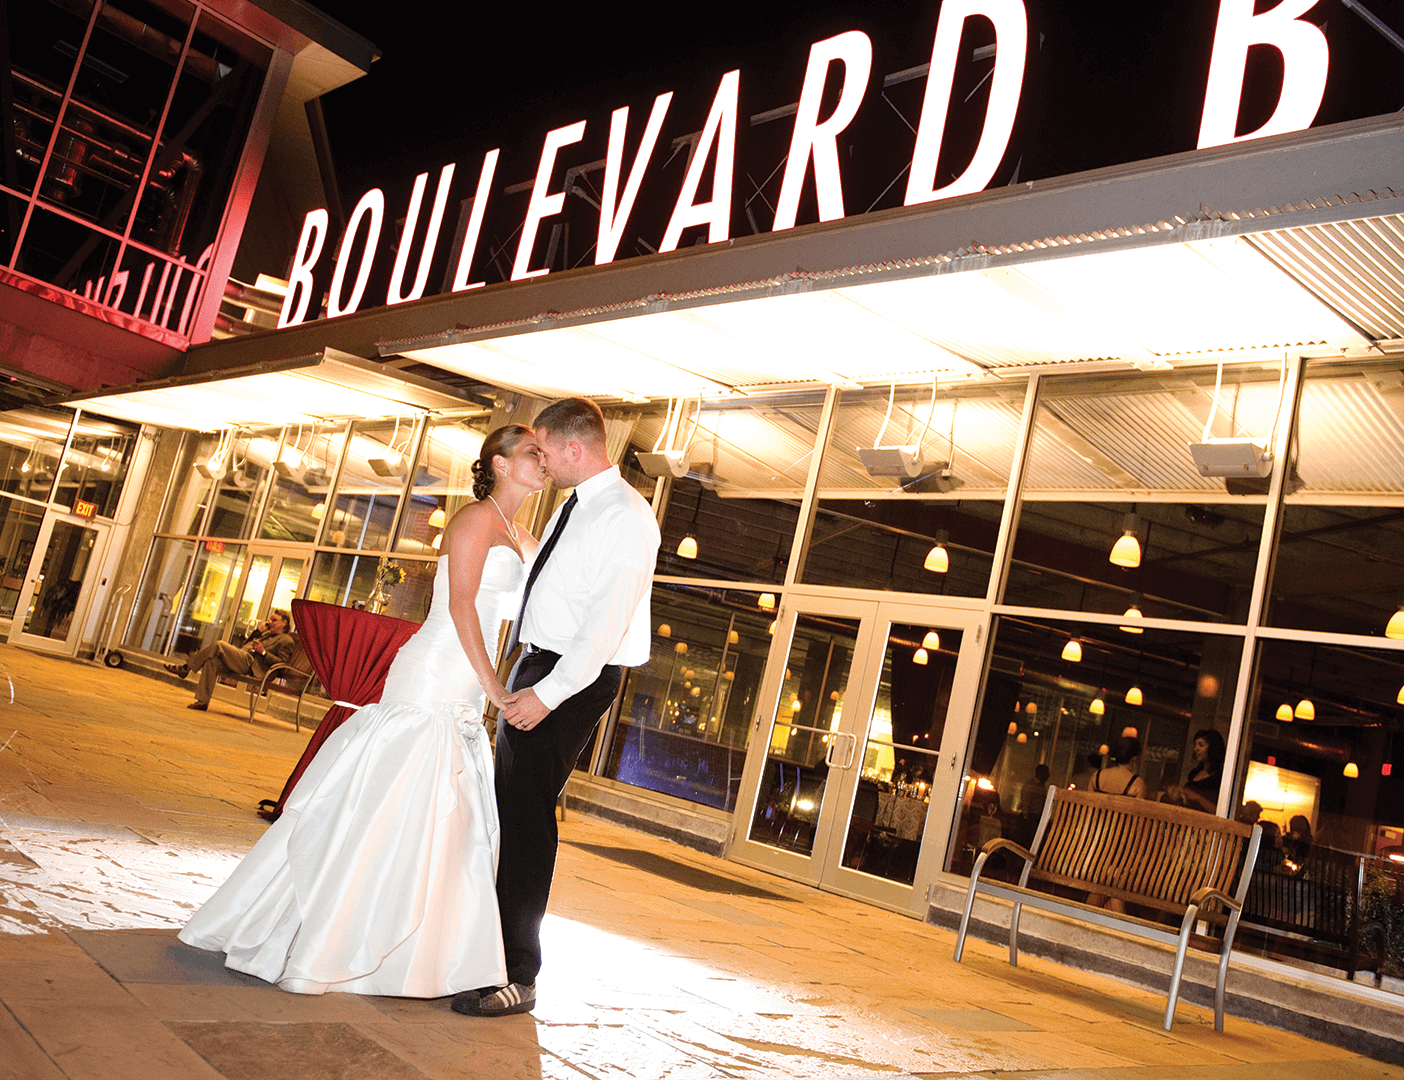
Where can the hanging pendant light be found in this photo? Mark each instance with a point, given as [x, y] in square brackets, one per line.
[1351, 771]
[1285, 714]
[938, 560]
[1013, 727]
[1395, 627]
[1023, 737]
[1400, 698]
[1133, 696]
[664, 630]
[1126, 552]
[687, 547]
[1072, 651]
[766, 601]
[931, 641]
[733, 637]
[919, 657]
[1098, 706]
[438, 519]
[1031, 708]
[1134, 612]
[1305, 710]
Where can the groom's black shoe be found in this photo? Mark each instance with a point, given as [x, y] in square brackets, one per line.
[502, 1001]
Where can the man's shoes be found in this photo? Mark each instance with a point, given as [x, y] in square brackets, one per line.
[502, 1001]
[198, 706]
[180, 671]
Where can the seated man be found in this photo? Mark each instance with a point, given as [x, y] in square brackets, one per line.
[272, 645]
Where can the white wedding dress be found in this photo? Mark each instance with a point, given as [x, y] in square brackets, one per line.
[379, 876]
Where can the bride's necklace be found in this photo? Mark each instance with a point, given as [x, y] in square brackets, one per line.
[511, 528]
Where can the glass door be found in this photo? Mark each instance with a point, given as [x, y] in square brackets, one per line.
[272, 579]
[57, 588]
[863, 720]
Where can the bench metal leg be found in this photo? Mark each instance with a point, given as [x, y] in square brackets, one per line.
[1014, 936]
[969, 904]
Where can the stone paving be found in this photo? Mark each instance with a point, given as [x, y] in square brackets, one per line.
[120, 811]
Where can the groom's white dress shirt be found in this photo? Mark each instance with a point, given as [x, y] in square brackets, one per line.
[590, 602]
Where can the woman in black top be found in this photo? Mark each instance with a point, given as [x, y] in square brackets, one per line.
[1200, 791]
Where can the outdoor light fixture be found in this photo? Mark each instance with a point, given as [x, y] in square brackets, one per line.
[1126, 552]
[938, 560]
[393, 463]
[1236, 458]
[1072, 651]
[1305, 710]
[217, 465]
[1351, 771]
[766, 601]
[1395, 627]
[1098, 706]
[919, 657]
[901, 461]
[671, 463]
[438, 519]
[931, 641]
[1133, 696]
[1285, 714]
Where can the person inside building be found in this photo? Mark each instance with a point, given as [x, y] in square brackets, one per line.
[1123, 778]
[1200, 791]
[272, 645]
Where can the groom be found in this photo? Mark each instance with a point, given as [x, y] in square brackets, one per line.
[584, 619]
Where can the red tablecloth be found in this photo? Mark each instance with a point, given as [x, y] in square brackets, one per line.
[351, 653]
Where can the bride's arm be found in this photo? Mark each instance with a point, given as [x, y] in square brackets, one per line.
[469, 536]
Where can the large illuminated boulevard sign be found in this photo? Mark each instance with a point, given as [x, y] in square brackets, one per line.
[843, 62]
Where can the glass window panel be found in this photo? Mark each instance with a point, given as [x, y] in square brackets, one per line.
[96, 466]
[1321, 781]
[748, 466]
[152, 628]
[238, 494]
[202, 608]
[346, 579]
[70, 255]
[189, 492]
[930, 533]
[1041, 707]
[808, 712]
[899, 759]
[11, 218]
[43, 45]
[686, 717]
[184, 198]
[443, 482]
[300, 475]
[371, 485]
[1087, 486]
[19, 529]
[1339, 565]
[30, 443]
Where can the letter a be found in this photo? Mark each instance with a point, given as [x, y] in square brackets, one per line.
[1011, 23]
[716, 212]
[1305, 60]
[811, 138]
[309, 249]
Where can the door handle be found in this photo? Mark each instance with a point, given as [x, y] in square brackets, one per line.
[852, 751]
[829, 750]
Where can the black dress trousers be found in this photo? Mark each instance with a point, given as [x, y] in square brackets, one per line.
[532, 768]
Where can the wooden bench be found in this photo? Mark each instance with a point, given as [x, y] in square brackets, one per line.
[1163, 858]
[292, 678]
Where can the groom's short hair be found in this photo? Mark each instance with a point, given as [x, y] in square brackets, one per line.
[573, 418]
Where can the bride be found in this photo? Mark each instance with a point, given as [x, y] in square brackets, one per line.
[379, 876]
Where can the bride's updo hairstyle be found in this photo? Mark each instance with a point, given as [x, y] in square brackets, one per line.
[504, 441]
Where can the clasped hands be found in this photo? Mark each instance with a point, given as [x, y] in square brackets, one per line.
[523, 710]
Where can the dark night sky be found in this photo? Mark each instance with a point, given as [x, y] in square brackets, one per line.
[1109, 81]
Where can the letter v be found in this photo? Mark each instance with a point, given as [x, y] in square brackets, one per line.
[612, 221]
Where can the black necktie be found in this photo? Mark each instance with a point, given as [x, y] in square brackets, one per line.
[541, 557]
